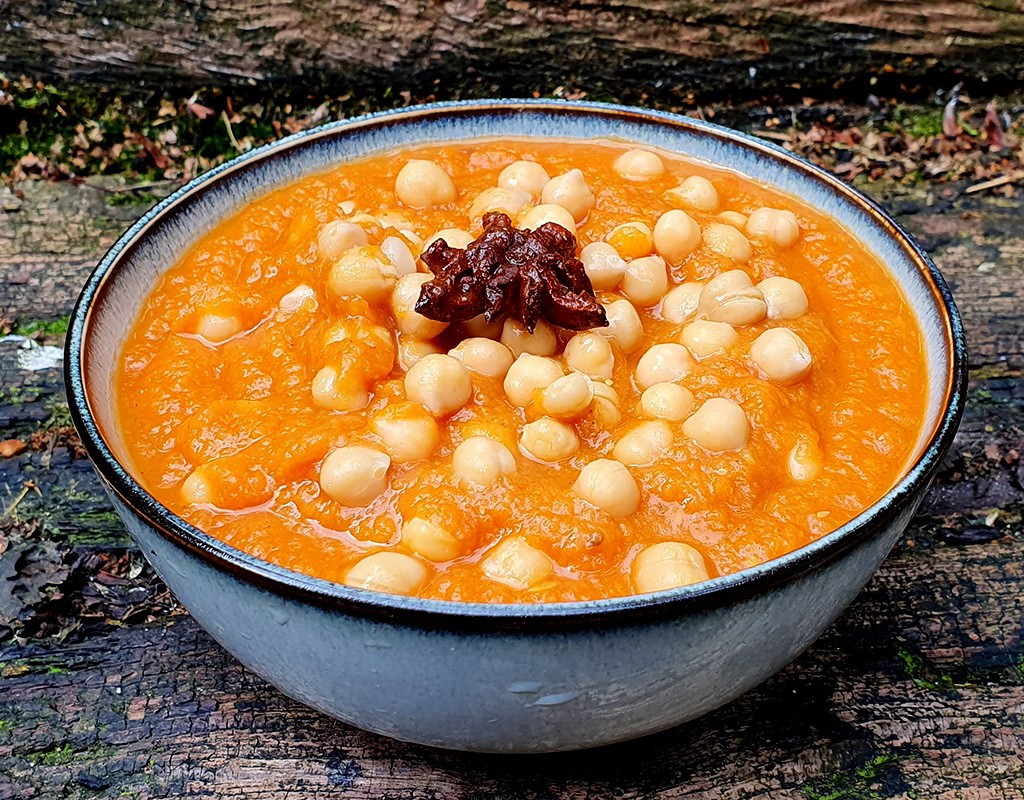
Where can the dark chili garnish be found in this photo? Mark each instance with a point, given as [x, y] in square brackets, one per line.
[508, 272]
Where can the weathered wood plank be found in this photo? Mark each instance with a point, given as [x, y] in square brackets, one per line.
[917, 691]
[521, 43]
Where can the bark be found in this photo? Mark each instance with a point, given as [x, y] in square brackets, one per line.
[917, 691]
[517, 44]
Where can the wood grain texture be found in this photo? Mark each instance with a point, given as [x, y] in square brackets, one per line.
[916, 692]
[700, 44]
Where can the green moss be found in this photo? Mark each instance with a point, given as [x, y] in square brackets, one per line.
[6, 725]
[20, 395]
[917, 123]
[924, 674]
[130, 198]
[946, 679]
[989, 371]
[60, 414]
[867, 782]
[47, 327]
[54, 757]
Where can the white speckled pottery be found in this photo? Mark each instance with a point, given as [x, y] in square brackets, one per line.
[502, 678]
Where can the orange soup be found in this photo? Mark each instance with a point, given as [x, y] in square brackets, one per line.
[759, 382]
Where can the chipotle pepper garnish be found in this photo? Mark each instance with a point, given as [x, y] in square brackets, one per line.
[508, 272]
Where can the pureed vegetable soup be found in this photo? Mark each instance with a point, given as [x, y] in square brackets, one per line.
[759, 382]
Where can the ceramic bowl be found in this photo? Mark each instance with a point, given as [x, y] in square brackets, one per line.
[502, 678]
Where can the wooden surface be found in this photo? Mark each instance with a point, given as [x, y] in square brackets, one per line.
[700, 44]
[111, 691]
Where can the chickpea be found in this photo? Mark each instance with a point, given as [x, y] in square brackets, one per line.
[549, 440]
[527, 375]
[362, 272]
[430, 540]
[395, 573]
[718, 425]
[784, 297]
[624, 325]
[411, 351]
[639, 165]
[668, 565]
[403, 306]
[646, 280]
[453, 237]
[479, 327]
[480, 460]
[302, 296]
[338, 392]
[603, 265]
[705, 339]
[195, 490]
[569, 396]
[508, 201]
[524, 176]
[421, 184]
[727, 241]
[439, 383]
[542, 342]
[732, 298]
[398, 253]
[336, 237]
[571, 192]
[695, 192]
[484, 356]
[680, 304]
[781, 355]
[774, 225]
[407, 437]
[734, 218]
[354, 475]
[668, 401]
[534, 217]
[217, 328]
[605, 406]
[644, 444]
[516, 563]
[805, 459]
[676, 235]
[590, 353]
[608, 485]
[631, 240]
[663, 363]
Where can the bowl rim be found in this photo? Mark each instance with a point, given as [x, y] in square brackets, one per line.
[446, 614]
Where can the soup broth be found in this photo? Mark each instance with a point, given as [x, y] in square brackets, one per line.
[761, 380]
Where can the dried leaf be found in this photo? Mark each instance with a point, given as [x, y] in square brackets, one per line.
[950, 126]
[11, 447]
[160, 161]
[972, 534]
[29, 572]
[993, 127]
[199, 110]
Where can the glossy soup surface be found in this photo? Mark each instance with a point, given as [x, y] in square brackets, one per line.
[219, 413]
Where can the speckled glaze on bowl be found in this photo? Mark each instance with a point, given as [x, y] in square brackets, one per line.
[502, 678]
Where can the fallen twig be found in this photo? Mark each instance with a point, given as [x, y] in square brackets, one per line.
[994, 183]
[137, 187]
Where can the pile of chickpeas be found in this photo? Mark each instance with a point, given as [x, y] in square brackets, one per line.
[556, 376]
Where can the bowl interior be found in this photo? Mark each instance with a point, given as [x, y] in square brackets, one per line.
[127, 274]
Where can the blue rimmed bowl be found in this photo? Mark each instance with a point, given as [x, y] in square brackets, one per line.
[502, 678]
